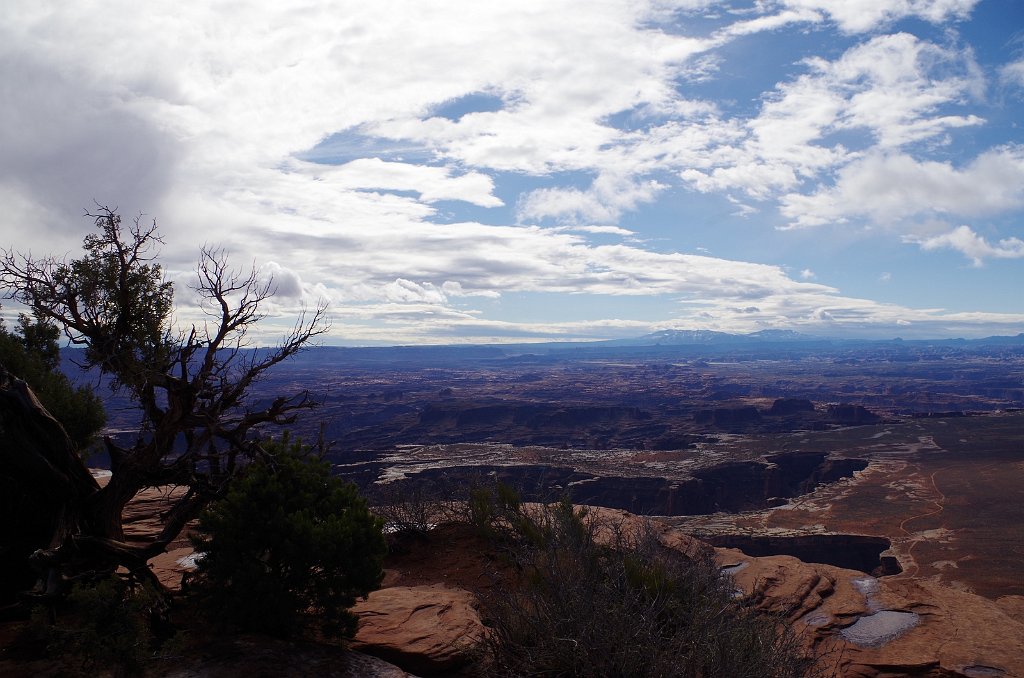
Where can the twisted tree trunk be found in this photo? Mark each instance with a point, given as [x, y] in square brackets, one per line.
[192, 388]
[54, 524]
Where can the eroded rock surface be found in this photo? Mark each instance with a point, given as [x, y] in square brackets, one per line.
[423, 629]
[890, 626]
[884, 627]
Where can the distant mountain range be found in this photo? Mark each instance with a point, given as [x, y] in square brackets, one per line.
[766, 344]
[707, 337]
[711, 338]
[694, 343]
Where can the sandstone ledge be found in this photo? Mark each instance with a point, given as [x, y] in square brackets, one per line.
[931, 630]
[422, 629]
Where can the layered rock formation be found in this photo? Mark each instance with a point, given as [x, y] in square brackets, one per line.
[863, 626]
[871, 627]
[425, 629]
[845, 413]
[868, 627]
[883, 627]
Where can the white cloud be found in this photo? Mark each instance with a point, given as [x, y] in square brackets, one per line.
[454, 289]
[606, 199]
[405, 291]
[770, 22]
[432, 183]
[964, 240]
[890, 188]
[892, 89]
[907, 81]
[204, 122]
[808, 274]
[608, 230]
[1013, 73]
[855, 16]
[286, 282]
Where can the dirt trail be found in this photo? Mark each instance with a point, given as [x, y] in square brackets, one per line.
[939, 508]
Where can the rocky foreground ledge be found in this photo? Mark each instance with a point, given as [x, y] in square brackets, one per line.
[875, 627]
[888, 626]
[425, 621]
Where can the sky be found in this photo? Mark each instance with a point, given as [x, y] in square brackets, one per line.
[455, 172]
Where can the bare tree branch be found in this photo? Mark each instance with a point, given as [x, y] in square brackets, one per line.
[192, 385]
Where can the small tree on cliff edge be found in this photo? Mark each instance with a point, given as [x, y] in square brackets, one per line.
[289, 545]
[191, 387]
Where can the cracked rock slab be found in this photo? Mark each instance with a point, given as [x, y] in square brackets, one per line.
[422, 629]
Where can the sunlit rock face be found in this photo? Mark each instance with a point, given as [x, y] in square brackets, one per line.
[890, 626]
[872, 626]
[424, 629]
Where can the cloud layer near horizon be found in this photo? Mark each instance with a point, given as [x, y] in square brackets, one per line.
[423, 166]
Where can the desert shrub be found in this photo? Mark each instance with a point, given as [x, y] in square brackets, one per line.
[496, 512]
[414, 507]
[288, 547]
[594, 600]
[103, 626]
[406, 508]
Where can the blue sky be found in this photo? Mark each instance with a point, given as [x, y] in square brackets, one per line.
[471, 172]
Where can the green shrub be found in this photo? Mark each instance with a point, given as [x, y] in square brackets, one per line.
[289, 545]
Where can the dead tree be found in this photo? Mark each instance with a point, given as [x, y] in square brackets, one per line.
[192, 387]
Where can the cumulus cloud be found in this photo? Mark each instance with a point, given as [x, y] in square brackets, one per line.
[892, 187]
[605, 201]
[209, 122]
[892, 88]
[963, 239]
[856, 16]
[286, 282]
[404, 291]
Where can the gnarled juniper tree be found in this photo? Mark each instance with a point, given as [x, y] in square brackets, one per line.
[192, 387]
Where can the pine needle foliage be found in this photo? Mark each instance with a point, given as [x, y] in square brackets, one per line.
[289, 548]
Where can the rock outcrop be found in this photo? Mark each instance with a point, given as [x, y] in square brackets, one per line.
[788, 407]
[883, 627]
[852, 414]
[422, 629]
[170, 566]
[873, 627]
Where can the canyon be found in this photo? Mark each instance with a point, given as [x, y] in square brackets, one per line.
[814, 469]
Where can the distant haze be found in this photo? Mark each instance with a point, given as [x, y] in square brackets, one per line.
[485, 172]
